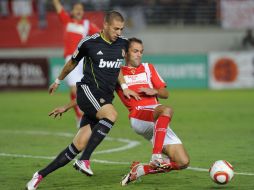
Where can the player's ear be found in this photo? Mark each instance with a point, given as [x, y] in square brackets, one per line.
[123, 52]
[105, 25]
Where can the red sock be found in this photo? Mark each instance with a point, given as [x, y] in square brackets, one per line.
[150, 170]
[160, 130]
[174, 166]
[78, 112]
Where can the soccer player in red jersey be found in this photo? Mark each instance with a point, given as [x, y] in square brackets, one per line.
[148, 117]
[76, 27]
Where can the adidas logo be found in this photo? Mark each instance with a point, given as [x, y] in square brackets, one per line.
[99, 53]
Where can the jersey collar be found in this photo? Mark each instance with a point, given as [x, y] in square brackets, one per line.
[102, 36]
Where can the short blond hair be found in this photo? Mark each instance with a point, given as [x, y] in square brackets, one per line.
[113, 15]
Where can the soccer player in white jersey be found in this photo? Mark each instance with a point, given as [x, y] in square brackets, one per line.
[148, 118]
[76, 27]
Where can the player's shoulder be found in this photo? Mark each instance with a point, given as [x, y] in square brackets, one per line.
[123, 39]
[149, 67]
[92, 37]
[147, 64]
[89, 39]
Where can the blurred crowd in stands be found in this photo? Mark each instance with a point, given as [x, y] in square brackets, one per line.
[173, 12]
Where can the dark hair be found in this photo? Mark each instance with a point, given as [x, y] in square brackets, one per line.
[132, 40]
[113, 15]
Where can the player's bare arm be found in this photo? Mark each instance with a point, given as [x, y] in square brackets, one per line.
[126, 91]
[58, 6]
[68, 67]
[161, 92]
[60, 110]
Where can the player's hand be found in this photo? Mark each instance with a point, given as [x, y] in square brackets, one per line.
[57, 112]
[130, 93]
[148, 91]
[53, 88]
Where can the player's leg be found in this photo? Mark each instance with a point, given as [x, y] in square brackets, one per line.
[68, 154]
[178, 156]
[142, 124]
[107, 115]
[172, 147]
[179, 159]
[98, 107]
[175, 151]
[84, 165]
[162, 117]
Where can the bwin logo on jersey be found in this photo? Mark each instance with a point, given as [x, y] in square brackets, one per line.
[110, 64]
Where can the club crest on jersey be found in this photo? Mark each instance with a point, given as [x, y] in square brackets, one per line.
[102, 100]
[110, 64]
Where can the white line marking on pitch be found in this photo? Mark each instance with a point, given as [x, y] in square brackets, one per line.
[106, 162]
[129, 143]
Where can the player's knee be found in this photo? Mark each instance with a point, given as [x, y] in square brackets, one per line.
[112, 116]
[79, 144]
[168, 111]
[184, 163]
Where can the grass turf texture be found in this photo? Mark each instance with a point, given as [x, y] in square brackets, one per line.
[213, 125]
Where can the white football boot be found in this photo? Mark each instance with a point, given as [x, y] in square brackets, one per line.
[34, 182]
[134, 174]
[83, 166]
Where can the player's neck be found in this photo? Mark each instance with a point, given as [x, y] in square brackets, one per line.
[105, 37]
[131, 66]
[77, 19]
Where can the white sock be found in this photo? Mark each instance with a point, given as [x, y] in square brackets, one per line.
[156, 157]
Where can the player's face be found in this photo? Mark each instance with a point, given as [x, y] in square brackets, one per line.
[134, 54]
[113, 30]
[77, 12]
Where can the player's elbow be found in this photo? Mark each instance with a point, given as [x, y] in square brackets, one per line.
[164, 94]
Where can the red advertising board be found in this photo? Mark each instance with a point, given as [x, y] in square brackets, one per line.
[24, 73]
[18, 32]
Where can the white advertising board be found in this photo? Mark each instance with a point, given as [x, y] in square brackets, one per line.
[229, 70]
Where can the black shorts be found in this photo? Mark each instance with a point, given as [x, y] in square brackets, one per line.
[85, 120]
[90, 100]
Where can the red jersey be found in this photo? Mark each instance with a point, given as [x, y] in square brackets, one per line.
[145, 75]
[74, 31]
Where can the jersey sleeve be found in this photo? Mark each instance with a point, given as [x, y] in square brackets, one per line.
[93, 29]
[81, 51]
[64, 16]
[156, 79]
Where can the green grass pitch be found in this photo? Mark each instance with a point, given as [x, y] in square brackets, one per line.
[213, 125]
